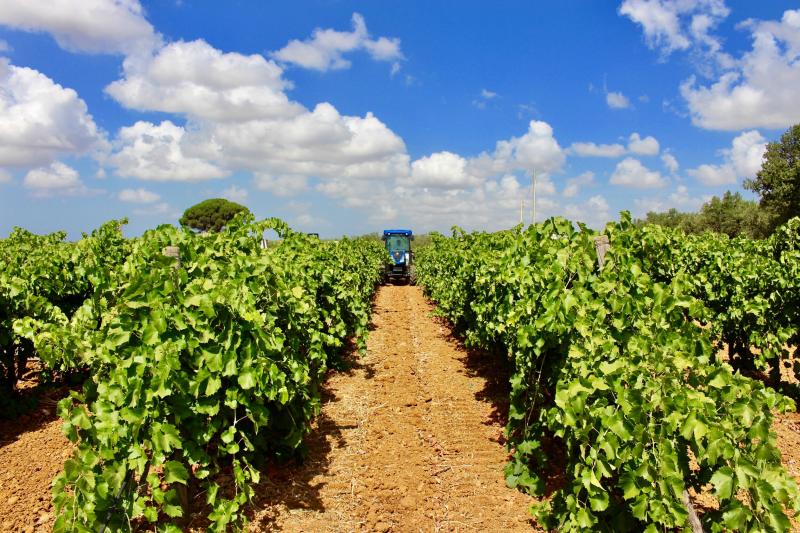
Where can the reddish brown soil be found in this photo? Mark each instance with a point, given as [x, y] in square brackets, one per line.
[32, 453]
[409, 440]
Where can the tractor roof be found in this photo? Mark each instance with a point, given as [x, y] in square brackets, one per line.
[406, 232]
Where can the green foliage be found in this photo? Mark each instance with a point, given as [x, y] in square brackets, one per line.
[751, 289]
[615, 386]
[731, 215]
[43, 277]
[200, 369]
[778, 181]
[211, 215]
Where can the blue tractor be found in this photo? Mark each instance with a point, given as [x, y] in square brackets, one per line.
[398, 244]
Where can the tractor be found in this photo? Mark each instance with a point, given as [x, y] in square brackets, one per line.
[398, 244]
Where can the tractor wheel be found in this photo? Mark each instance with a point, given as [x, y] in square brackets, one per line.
[412, 275]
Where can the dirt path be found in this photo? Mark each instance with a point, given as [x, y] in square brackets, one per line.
[32, 453]
[409, 440]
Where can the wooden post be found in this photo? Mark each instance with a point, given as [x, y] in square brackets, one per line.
[694, 521]
[174, 252]
[601, 246]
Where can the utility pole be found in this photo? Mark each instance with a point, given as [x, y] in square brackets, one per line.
[533, 194]
[521, 209]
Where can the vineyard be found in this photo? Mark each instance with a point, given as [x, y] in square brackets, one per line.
[197, 366]
[615, 385]
[644, 378]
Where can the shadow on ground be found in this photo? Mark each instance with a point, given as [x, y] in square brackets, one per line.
[295, 485]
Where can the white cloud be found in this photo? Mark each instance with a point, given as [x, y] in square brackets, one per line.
[57, 178]
[4, 46]
[670, 162]
[283, 186]
[442, 170]
[138, 196]
[631, 173]
[679, 199]
[757, 90]
[742, 160]
[536, 149]
[95, 26]
[196, 79]
[356, 160]
[326, 48]
[235, 193]
[483, 98]
[574, 184]
[5, 176]
[41, 120]
[636, 145]
[158, 152]
[239, 118]
[617, 100]
[589, 149]
[321, 143]
[671, 25]
[162, 208]
[643, 146]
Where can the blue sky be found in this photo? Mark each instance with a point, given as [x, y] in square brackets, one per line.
[347, 117]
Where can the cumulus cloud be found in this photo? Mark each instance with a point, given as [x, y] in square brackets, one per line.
[742, 160]
[760, 88]
[680, 199]
[41, 120]
[670, 162]
[631, 172]
[493, 204]
[536, 149]
[671, 25]
[158, 152]
[594, 211]
[138, 196]
[643, 146]
[94, 26]
[326, 48]
[590, 149]
[240, 118]
[195, 79]
[55, 179]
[161, 208]
[574, 184]
[283, 186]
[636, 145]
[617, 100]
[442, 170]
[235, 193]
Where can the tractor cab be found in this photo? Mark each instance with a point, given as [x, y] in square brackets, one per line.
[398, 245]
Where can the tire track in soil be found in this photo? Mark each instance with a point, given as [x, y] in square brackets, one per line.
[408, 440]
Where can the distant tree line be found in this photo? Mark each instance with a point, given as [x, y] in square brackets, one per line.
[777, 185]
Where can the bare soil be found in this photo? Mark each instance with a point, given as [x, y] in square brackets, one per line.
[32, 452]
[410, 438]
